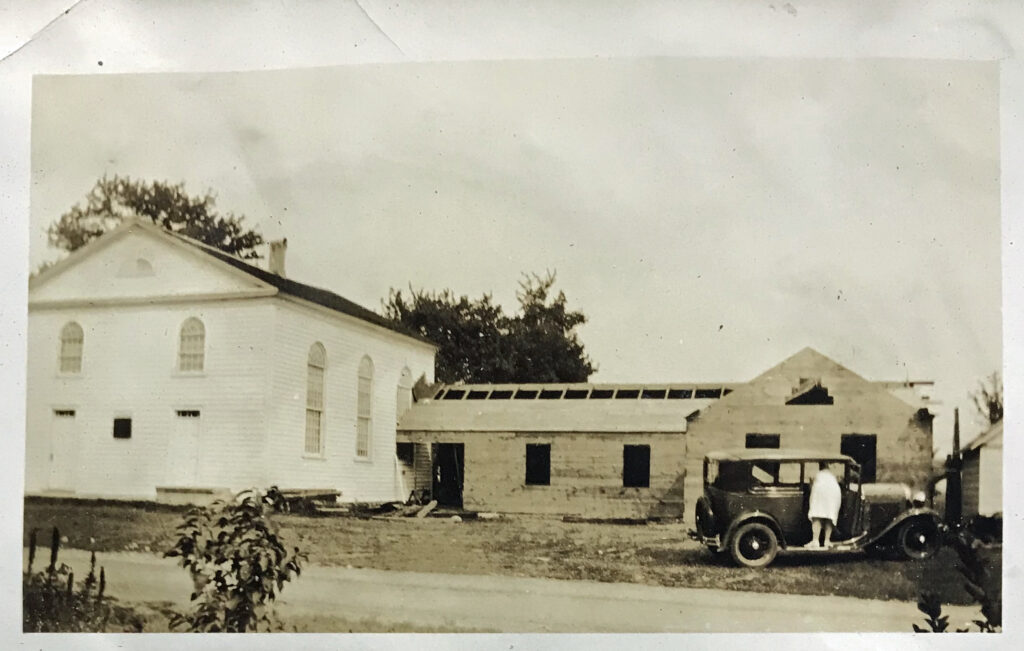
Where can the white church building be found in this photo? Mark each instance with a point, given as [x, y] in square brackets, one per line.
[159, 364]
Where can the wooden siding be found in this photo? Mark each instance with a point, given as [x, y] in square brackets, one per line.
[296, 328]
[990, 485]
[418, 475]
[586, 473]
[110, 273]
[970, 483]
[129, 368]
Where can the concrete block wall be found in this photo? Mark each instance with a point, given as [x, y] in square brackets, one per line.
[903, 437]
[586, 473]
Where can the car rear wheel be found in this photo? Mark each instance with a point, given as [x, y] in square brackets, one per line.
[754, 545]
[917, 539]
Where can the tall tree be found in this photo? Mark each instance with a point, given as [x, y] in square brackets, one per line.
[988, 399]
[168, 205]
[478, 342]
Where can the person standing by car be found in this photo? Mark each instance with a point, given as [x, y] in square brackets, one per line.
[826, 498]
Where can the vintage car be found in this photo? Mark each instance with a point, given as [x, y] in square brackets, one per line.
[755, 505]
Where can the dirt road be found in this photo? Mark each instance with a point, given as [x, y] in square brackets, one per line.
[421, 601]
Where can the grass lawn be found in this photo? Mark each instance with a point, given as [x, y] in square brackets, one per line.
[654, 554]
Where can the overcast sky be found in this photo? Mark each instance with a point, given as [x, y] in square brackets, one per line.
[711, 217]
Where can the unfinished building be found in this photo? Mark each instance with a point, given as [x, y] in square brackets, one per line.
[635, 450]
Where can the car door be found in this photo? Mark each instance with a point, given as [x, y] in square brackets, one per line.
[849, 524]
[780, 492]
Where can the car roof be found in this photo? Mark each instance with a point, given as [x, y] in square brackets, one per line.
[767, 454]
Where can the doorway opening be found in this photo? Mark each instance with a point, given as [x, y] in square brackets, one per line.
[863, 449]
[449, 466]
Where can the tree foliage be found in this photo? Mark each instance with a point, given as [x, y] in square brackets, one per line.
[168, 205]
[238, 564]
[478, 342]
[988, 399]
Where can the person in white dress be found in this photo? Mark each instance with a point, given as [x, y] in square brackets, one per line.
[826, 498]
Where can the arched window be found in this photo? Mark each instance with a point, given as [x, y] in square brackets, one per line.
[192, 345]
[364, 408]
[71, 342]
[403, 399]
[316, 364]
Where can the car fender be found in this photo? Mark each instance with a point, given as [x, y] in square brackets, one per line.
[909, 514]
[708, 520]
[754, 516]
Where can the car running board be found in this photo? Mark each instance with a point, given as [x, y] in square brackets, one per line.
[835, 547]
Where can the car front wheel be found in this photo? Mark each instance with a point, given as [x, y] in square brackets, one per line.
[754, 545]
[918, 539]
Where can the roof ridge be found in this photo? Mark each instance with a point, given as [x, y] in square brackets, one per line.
[324, 297]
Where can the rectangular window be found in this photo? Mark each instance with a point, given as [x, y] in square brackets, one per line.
[636, 466]
[538, 464]
[404, 451]
[789, 473]
[187, 413]
[314, 409]
[364, 417]
[313, 422]
[64, 413]
[863, 448]
[767, 441]
[704, 394]
[122, 428]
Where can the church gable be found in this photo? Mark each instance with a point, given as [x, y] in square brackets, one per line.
[138, 262]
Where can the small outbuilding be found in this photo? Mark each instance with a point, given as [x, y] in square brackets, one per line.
[982, 482]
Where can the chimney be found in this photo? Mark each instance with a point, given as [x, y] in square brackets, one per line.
[275, 264]
[956, 432]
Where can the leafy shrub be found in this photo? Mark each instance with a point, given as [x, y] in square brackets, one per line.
[51, 602]
[984, 585]
[238, 563]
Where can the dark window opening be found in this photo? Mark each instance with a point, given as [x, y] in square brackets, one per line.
[627, 394]
[768, 441]
[404, 452]
[709, 393]
[814, 395]
[454, 394]
[863, 448]
[476, 395]
[680, 394]
[576, 394]
[437, 396]
[501, 395]
[551, 394]
[526, 394]
[653, 394]
[538, 464]
[187, 413]
[122, 428]
[601, 394]
[64, 413]
[636, 466]
[726, 392]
